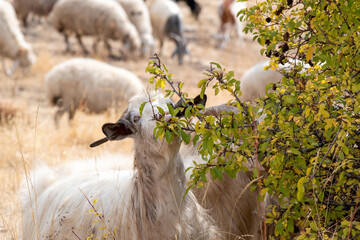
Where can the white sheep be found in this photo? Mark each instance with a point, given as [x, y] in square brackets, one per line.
[167, 22]
[106, 20]
[145, 203]
[38, 7]
[95, 84]
[255, 79]
[138, 14]
[12, 41]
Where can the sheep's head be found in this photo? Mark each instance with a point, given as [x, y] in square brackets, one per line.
[26, 56]
[141, 126]
[132, 39]
[181, 49]
[132, 122]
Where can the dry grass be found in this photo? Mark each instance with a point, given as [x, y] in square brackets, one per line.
[31, 135]
[7, 112]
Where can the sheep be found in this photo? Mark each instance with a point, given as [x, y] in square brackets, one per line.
[138, 14]
[230, 202]
[255, 79]
[12, 41]
[103, 19]
[228, 10]
[194, 7]
[95, 84]
[232, 205]
[166, 19]
[145, 203]
[37, 7]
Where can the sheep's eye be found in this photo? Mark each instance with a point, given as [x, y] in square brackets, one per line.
[136, 119]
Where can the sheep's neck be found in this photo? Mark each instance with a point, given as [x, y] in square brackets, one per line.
[160, 171]
[159, 184]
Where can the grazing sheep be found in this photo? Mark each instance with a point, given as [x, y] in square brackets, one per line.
[37, 7]
[95, 84]
[228, 10]
[138, 14]
[145, 203]
[104, 19]
[166, 19]
[194, 7]
[12, 42]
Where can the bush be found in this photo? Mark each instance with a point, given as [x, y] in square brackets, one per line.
[305, 133]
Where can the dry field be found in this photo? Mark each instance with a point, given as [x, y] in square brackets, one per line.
[30, 136]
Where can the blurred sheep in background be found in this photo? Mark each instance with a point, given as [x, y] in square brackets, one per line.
[94, 84]
[167, 22]
[104, 20]
[12, 41]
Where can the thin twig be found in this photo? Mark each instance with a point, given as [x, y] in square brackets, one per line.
[76, 235]
[156, 57]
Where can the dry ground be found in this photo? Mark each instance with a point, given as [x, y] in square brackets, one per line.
[31, 136]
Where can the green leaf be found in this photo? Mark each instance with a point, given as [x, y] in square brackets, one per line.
[196, 139]
[216, 173]
[141, 109]
[161, 110]
[188, 112]
[185, 137]
[216, 64]
[168, 136]
[295, 151]
[171, 109]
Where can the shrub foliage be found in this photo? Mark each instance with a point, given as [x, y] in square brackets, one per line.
[305, 132]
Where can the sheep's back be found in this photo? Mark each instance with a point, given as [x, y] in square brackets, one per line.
[112, 86]
[42, 7]
[96, 84]
[102, 189]
[91, 17]
[133, 8]
[255, 79]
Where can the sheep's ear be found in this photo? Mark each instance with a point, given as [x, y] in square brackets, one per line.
[197, 100]
[117, 131]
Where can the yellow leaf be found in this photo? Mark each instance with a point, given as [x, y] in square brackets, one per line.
[310, 52]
